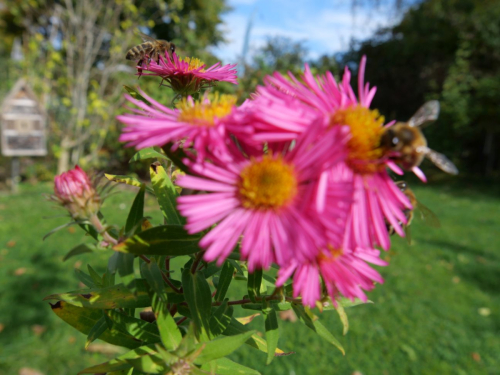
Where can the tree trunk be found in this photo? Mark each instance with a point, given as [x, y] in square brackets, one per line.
[63, 162]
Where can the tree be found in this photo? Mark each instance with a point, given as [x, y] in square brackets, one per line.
[74, 54]
[446, 50]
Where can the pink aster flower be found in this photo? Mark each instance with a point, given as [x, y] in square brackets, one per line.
[377, 200]
[264, 200]
[187, 75]
[198, 124]
[343, 272]
[272, 116]
[75, 192]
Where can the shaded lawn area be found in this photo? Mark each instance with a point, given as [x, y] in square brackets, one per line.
[437, 313]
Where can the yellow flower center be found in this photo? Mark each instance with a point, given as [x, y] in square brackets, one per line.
[204, 112]
[334, 254]
[267, 183]
[193, 62]
[366, 130]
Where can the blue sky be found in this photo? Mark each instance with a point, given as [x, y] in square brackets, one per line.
[325, 26]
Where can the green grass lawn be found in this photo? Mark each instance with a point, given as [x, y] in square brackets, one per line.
[437, 313]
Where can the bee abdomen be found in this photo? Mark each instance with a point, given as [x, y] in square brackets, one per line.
[138, 52]
[134, 53]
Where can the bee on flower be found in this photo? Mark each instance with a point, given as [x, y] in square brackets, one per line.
[188, 76]
[376, 199]
[197, 124]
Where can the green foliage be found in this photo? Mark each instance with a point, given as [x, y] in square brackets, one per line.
[161, 240]
[442, 335]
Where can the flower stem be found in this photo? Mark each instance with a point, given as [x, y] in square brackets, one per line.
[94, 220]
[174, 288]
[196, 261]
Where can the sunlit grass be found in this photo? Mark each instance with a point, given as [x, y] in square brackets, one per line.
[437, 313]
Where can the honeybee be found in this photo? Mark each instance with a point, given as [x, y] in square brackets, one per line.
[406, 144]
[426, 214]
[151, 49]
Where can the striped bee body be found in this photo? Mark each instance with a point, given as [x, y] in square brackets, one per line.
[151, 49]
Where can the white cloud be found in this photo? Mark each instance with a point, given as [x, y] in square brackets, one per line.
[326, 31]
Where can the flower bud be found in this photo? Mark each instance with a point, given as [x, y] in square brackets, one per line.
[76, 193]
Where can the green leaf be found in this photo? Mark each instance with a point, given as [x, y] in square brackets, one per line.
[226, 276]
[80, 249]
[138, 328]
[199, 299]
[221, 319]
[129, 180]
[161, 240]
[108, 279]
[134, 94]
[165, 194]
[255, 340]
[221, 347]
[169, 331]
[210, 270]
[147, 153]
[281, 306]
[239, 270]
[345, 302]
[129, 371]
[343, 318]
[84, 319]
[116, 296]
[84, 278]
[253, 285]
[126, 270]
[306, 317]
[252, 306]
[136, 211]
[118, 363]
[153, 276]
[150, 364]
[224, 366]
[268, 280]
[188, 343]
[58, 228]
[96, 278]
[168, 357]
[91, 231]
[96, 331]
[272, 332]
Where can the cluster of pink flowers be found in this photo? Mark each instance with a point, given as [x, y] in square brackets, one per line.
[295, 176]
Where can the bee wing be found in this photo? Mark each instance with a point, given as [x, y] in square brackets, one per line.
[146, 38]
[428, 216]
[408, 234]
[426, 114]
[441, 161]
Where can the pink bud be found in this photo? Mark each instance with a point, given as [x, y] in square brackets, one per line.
[74, 190]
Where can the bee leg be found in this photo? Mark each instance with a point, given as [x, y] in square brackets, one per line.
[139, 70]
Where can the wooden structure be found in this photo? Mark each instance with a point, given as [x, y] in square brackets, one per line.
[23, 122]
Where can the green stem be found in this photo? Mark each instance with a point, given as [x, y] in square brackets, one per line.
[99, 227]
